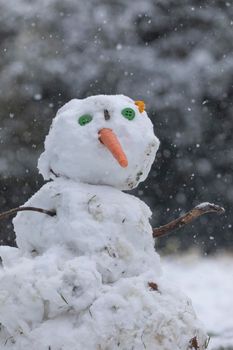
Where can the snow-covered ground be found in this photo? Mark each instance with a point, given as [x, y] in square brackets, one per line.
[209, 283]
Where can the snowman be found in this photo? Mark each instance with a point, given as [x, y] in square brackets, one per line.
[88, 277]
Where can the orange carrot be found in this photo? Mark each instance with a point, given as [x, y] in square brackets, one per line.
[110, 140]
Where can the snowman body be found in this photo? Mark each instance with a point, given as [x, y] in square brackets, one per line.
[89, 277]
[102, 222]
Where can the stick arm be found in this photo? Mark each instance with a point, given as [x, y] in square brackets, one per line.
[187, 218]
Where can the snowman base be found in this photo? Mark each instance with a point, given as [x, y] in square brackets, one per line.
[89, 278]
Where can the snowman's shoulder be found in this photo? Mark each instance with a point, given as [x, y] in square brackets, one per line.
[45, 193]
[142, 205]
[63, 194]
[68, 193]
[114, 200]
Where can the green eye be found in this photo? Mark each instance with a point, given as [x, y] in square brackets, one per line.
[128, 113]
[85, 119]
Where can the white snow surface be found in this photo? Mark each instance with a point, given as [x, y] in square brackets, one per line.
[209, 283]
[75, 152]
[89, 277]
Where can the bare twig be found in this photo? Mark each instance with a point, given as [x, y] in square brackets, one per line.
[185, 219]
[15, 210]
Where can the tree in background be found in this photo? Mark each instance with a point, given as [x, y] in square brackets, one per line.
[175, 55]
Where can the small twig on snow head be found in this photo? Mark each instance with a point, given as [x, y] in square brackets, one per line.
[185, 219]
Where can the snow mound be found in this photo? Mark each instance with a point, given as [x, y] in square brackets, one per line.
[89, 277]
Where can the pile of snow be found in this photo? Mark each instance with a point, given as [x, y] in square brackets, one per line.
[89, 278]
[209, 283]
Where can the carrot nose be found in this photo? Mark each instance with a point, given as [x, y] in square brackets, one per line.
[110, 140]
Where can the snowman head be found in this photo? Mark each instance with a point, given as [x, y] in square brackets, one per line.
[100, 140]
